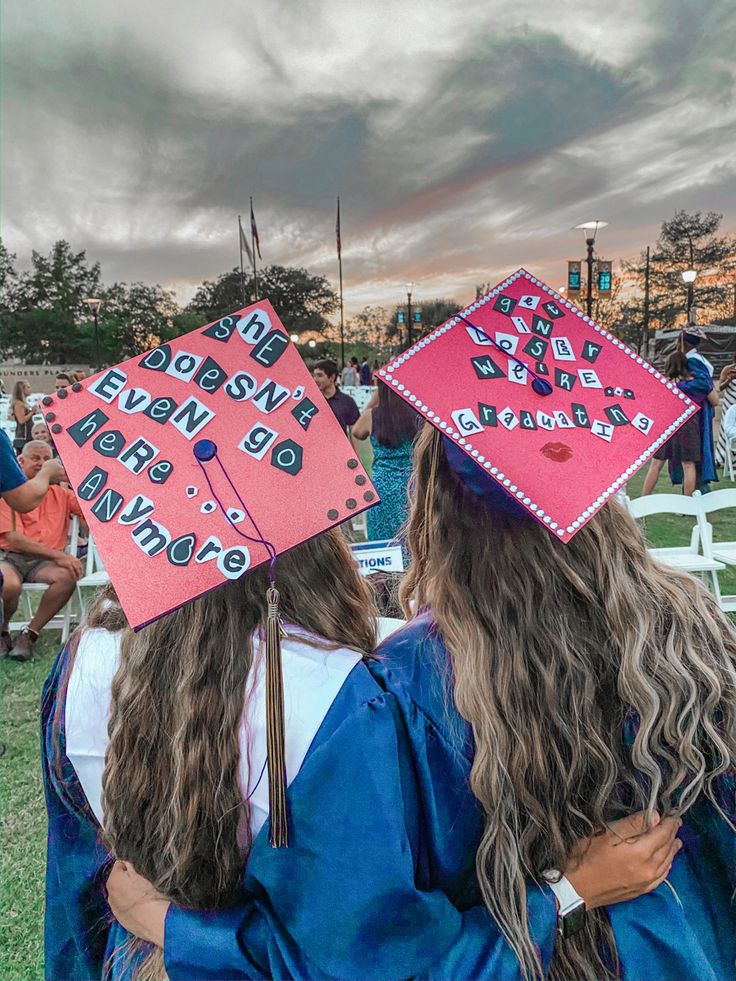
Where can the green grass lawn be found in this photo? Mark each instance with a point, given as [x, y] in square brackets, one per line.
[22, 810]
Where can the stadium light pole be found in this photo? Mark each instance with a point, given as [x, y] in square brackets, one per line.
[688, 277]
[589, 230]
[409, 288]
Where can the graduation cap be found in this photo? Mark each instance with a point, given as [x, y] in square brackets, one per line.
[543, 412]
[204, 458]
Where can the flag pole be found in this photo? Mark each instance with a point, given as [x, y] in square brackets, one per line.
[342, 308]
[242, 271]
[253, 249]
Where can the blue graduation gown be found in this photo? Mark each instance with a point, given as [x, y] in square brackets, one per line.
[688, 933]
[367, 889]
[698, 388]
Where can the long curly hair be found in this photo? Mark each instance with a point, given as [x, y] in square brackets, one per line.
[171, 798]
[553, 649]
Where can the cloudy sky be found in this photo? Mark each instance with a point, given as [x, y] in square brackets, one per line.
[465, 139]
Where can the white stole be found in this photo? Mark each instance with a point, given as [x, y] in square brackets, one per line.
[312, 680]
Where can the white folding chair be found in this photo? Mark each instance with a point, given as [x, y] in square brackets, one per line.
[95, 575]
[728, 428]
[723, 550]
[695, 557]
[63, 619]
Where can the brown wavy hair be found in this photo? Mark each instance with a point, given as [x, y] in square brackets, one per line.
[171, 797]
[553, 649]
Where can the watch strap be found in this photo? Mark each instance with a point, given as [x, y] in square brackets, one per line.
[563, 890]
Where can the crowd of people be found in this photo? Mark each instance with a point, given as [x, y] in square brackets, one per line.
[534, 778]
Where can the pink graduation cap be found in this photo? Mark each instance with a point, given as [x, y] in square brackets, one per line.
[551, 406]
[200, 460]
[203, 458]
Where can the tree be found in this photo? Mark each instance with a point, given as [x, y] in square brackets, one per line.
[436, 312]
[47, 321]
[8, 280]
[301, 299]
[373, 326]
[217, 298]
[686, 241]
[135, 318]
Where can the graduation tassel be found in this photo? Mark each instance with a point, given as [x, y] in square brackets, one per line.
[429, 492]
[275, 740]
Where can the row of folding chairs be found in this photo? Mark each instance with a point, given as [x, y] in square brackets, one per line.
[707, 554]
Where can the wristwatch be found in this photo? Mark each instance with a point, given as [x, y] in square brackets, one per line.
[570, 906]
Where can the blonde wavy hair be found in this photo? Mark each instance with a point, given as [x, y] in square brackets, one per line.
[171, 798]
[554, 648]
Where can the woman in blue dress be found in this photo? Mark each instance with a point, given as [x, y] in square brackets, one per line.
[392, 425]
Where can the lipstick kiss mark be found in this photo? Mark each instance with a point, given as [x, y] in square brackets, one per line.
[557, 452]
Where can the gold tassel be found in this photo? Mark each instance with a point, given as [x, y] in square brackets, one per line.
[429, 492]
[275, 738]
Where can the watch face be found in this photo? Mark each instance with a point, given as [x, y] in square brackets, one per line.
[572, 919]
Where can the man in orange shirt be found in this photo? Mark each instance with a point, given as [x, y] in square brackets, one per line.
[32, 550]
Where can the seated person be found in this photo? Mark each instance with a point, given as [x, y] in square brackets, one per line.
[32, 550]
[41, 432]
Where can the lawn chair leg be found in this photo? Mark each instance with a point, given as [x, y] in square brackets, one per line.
[716, 588]
[67, 622]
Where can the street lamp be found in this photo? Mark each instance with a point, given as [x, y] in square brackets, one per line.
[409, 288]
[688, 277]
[589, 229]
[294, 338]
[94, 304]
[312, 343]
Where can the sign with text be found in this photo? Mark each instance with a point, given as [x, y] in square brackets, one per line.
[203, 458]
[555, 408]
[383, 556]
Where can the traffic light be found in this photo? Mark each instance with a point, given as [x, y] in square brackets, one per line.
[604, 276]
[573, 276]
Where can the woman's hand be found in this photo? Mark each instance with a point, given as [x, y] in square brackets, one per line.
[136, 904]
[626, 861]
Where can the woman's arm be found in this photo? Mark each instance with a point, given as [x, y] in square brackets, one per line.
[728, 373]
[362, 428]
[21, 412]
[342, 901]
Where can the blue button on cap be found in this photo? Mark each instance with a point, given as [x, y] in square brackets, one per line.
[541, 386]
[205, 449]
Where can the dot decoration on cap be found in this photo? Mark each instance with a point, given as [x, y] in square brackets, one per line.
[353, 463]
[56, 428]
[50, 416]
[369, 496]
[360, 480]
[62, 393]
[351, 503]
[204, 450]
[332, 514]
[47, 400]
[77, 387]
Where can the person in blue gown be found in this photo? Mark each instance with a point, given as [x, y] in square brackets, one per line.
[378, 880]
[700, 389]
